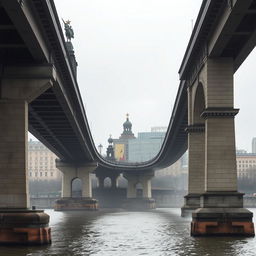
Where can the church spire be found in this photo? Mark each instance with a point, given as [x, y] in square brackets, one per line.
[127, 128]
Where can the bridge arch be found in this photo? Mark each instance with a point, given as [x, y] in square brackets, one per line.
[139, 189]
[198, 104]
[107, 182]
[76, 187]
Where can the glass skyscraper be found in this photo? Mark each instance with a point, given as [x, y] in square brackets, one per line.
[146, 146]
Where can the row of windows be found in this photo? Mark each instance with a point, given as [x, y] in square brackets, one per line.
[246, 165]
[246, 161]
[39, 170]
[41, 158]
[40, 174]
[40, 167]
[41, 163]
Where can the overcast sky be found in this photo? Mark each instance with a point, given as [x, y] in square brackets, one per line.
[128, 55]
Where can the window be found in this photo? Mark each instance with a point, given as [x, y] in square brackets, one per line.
[41, 174]
[45, 174]
[51, 174]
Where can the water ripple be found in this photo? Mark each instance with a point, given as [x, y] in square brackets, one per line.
[108, 233]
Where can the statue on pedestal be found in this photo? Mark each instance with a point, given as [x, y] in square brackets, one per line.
[69, 32]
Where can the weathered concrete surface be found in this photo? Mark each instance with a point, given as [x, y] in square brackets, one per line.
[221, 209]
[70, 172]
[144, 179]
[191, 203]
[19, 86]
[222, 221]
[24, 227]
[76, 204]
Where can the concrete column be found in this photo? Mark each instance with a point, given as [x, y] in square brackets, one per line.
[220, 151]
[85, 175]
[196, 148]
[114, 181]
[18, 87]
[101, 181]
[131, 188]
[146, 202]
[69, 173]
[196, 169]
[221, 211]
[15, 95]
[13, 154]
[146, 184]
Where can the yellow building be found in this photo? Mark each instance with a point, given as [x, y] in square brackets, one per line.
[41, 162]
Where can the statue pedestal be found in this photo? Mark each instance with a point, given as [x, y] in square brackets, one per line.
[139, 204]
[76, 204]
[28, 227]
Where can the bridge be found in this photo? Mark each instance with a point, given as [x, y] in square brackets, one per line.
[39, 93]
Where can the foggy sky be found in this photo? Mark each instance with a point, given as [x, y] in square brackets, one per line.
[128, 55]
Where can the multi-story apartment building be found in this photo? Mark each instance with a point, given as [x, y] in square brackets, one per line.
[41, 162]
[245, 162]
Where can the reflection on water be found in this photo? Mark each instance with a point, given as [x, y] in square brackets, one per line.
[121, 233]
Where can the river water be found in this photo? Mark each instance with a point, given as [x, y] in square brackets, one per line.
[161, 232]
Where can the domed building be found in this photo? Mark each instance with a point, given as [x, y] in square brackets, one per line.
[121, 145]
[127, 132]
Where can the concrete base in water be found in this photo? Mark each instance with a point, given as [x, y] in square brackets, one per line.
[139, 204]
[191, 203]
[76, 204]
[187, 211]
[21, 226]
[222, 222]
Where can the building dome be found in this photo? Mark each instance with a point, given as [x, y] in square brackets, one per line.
[110, 140]
[127, 124]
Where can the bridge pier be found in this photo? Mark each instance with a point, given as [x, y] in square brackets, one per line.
[114, 181]
[18, 223]
[69, 173]
[113, 177]
[221, 209]
[133, 201]
[196, 168]
[100, 181]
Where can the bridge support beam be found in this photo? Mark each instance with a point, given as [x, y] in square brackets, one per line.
[69, 173]
[113, 177]
[196, 163]
[221, 209]
[19, 224]
[100, 181]
[133, 201]
[114, 181]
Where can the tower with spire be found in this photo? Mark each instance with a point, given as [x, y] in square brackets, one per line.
[127, 129]
[110, 150]
[121, 145]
